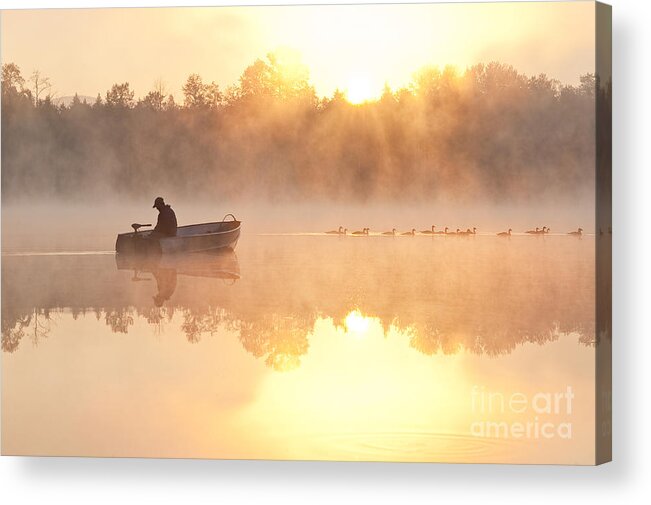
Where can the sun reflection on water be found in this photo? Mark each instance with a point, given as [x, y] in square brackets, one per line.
[357, 324]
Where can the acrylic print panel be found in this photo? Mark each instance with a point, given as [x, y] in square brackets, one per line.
[383, 232]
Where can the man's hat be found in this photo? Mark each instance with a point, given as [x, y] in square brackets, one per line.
[159, 200]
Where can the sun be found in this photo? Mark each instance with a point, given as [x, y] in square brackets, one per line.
[360, 90]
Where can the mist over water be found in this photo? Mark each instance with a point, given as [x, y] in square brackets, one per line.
[46, 225]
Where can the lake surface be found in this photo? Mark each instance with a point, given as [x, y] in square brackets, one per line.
[306, 346]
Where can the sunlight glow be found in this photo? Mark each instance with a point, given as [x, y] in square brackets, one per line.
[359, 90]
[357, 324]
[435, 34]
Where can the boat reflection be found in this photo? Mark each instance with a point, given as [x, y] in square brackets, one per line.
[165, 268]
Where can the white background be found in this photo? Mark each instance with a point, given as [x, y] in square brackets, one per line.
[627, 479]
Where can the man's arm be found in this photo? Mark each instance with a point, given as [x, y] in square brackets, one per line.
[158, 223]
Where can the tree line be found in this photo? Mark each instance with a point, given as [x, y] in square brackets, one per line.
[489, 132]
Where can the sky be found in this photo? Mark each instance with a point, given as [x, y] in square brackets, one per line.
[357, 48]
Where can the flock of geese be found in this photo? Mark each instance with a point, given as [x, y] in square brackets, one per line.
[433, 231]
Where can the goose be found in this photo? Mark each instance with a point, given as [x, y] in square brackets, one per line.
[363, 232]
[505, 233]
[411, 233]
[336, 232]
[533, 232]
[429, 232]
[392, 232]
[576, 233]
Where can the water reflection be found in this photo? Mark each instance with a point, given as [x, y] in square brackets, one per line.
[382, 344]
[487, 301]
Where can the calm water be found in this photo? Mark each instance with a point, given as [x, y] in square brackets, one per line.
[471, 349]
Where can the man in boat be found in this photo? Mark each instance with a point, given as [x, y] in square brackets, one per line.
[166, 224]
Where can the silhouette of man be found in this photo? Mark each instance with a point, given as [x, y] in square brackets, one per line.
[166, 282]
[166, 224]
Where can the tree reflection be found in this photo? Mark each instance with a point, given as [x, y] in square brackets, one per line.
[119, 320]
[280, 339]
[197, 322]
[36, 324]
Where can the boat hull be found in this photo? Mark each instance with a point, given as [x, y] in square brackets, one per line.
[203, 237]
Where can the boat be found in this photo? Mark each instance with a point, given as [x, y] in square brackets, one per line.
[203, 237]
